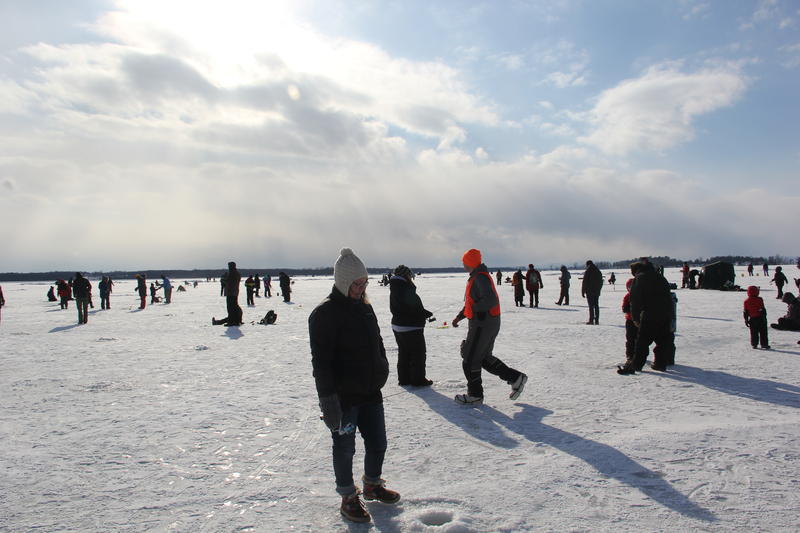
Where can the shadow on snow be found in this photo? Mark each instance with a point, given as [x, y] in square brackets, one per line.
[528, 423]
[761, 390]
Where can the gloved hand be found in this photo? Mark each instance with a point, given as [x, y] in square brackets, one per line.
[747, 323]
[455, 322]
[331, 411]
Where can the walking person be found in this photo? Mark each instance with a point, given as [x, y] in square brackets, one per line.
[779, 280]
[257, 279]
[350, 369]
[141, 288]
[64, 293]
[482, 311]
[533, 282]
[105, 287]
[755, 318]
[652, 312]
[591, 286]
[223, 282]
[286, 286]
[2, 301]
[232, 281]
[750, 269]
[408, 326]
[685, 276]
[564, 280]
[81, 288]
[765, 268]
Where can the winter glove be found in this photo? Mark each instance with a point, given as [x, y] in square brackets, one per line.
[455, 322]
[747, 323]
[428, 314]
[331, 411]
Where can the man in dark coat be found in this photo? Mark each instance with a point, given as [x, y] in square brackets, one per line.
[652, 312]
[81, 288]
[564, 278]
[350, 369]
[408, 326]
[141, 288]
[232, 281]
[286, 286]
[533, 282]
[590, 289]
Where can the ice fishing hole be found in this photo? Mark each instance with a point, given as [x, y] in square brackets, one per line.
[436, 518]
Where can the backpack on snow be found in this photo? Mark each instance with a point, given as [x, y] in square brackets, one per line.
[269, 318]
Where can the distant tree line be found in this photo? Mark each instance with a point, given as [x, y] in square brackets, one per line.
[201, 274]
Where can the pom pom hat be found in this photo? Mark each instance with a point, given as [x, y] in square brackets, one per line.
[472, 258]
[347, 269]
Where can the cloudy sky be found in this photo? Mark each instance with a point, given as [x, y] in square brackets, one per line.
[181, 134]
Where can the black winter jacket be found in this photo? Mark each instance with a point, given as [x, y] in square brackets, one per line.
[650, 296]
[405, 304]
[347, 351]
[81, 288]
[592, 280]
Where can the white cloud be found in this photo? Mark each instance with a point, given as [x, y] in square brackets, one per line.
[656, 111]
[791, 55]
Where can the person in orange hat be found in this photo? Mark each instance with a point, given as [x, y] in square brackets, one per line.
[482, 310]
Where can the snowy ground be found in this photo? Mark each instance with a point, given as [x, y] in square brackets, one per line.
[156, 421]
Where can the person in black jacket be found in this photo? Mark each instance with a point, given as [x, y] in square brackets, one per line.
[564, 280]
[590, 289]
[81, 288]
[779, 280]
[286, 286]
[141, 288]
[408, 326]
[350, 368]
[232, 281]
[652, 312]
[3, 300]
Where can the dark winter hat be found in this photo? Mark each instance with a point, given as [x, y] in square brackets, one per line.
[788, 298]
[347, 269]
[404, 272]
[530, 265]
[231, 264]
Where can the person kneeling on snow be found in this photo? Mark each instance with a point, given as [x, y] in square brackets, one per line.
[791, 320]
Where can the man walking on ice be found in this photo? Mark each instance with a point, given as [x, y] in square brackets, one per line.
[482, 310]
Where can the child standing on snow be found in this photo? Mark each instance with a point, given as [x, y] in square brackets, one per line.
[631, 331]
[755, 317]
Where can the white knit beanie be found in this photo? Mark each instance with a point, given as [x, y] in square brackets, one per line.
[347, 269]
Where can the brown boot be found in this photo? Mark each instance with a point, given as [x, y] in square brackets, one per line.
[377, 491]
[353, 508]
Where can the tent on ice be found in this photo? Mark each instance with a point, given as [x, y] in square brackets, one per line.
[719, 275]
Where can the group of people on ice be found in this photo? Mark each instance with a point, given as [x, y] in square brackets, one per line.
[350, 366]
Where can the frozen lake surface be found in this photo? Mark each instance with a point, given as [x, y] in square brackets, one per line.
[155, 420]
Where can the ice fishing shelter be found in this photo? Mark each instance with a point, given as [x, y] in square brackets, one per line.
[717, 275]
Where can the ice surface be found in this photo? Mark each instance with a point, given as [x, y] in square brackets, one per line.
[155, 420]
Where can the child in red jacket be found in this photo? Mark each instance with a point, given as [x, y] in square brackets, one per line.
[755, 317]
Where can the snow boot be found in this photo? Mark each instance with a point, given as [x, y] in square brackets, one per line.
[517, 386]
[466, 399]
[379, 492]
[625, 370]
[353, 508]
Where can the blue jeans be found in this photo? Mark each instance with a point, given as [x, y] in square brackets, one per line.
[369, 420]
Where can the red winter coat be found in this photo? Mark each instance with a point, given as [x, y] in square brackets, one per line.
[753, 305]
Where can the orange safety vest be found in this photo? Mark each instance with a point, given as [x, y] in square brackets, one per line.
[468, 301]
